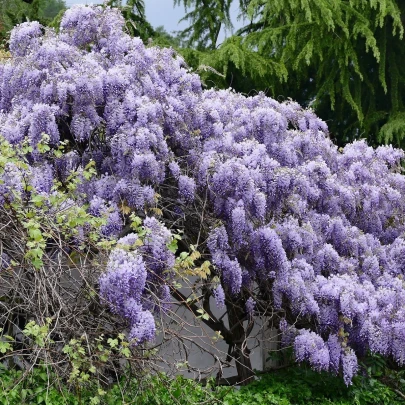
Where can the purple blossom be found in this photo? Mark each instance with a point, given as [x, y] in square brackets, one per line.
[144, 329]
[25, 38]
[238, 223]
[42, 121]
[113, 226]
[218, 240]
[157, 256]
[230, 271]
[174, 169]
[219, 296]
[186, 188]
[310, 347]
[288, 333]
[349, 366]
[128, 240]
[125, 278]
[66, 164]
[79, 25]
[12, 182]
[5, 261]
[81, 127]
[250, 306]
[165, 298]
[132, 310]
[42, 178]
[335, 352]
[268, 251]
[97, 206]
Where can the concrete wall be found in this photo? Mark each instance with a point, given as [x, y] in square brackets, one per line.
[204, 353]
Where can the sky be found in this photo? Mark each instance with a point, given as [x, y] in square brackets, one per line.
[162, 12]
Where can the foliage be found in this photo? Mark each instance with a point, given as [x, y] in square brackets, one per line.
[206, 17]
[34, 390]
[290, 386]
[302, 386]
[343, 58]
[234, 64]
[116, 160]
[164, 39]
[14, 12]
[40, 386]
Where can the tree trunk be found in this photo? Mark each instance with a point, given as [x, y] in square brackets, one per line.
[241, 353]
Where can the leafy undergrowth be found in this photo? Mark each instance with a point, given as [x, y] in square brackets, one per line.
[39, 387]
[302, 386]
[298, 385]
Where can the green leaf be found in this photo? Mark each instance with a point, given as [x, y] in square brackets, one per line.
[173, 246]
[113, 342]
[126, 352]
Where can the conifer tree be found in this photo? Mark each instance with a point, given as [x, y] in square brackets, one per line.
[343, 58]
[207, 17]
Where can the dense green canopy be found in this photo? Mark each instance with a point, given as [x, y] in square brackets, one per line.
[341, 57]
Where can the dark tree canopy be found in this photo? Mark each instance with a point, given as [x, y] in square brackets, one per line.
[207, 18]
[343, 58]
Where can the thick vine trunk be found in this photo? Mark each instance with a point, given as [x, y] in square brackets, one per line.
[241, 353]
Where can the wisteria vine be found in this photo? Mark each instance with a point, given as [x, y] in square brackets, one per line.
[319, 229]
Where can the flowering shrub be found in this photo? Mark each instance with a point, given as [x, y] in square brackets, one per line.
[293, 226]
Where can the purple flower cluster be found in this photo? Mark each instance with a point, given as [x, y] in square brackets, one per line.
[11, 182]
[250, 306]
[186, 188]
[319, 229]
[4, 261]
[135, 275]
[122, 287]
[157, 256]
[25, 38]
[219, 296]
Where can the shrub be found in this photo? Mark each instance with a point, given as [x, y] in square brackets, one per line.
[120, 176]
